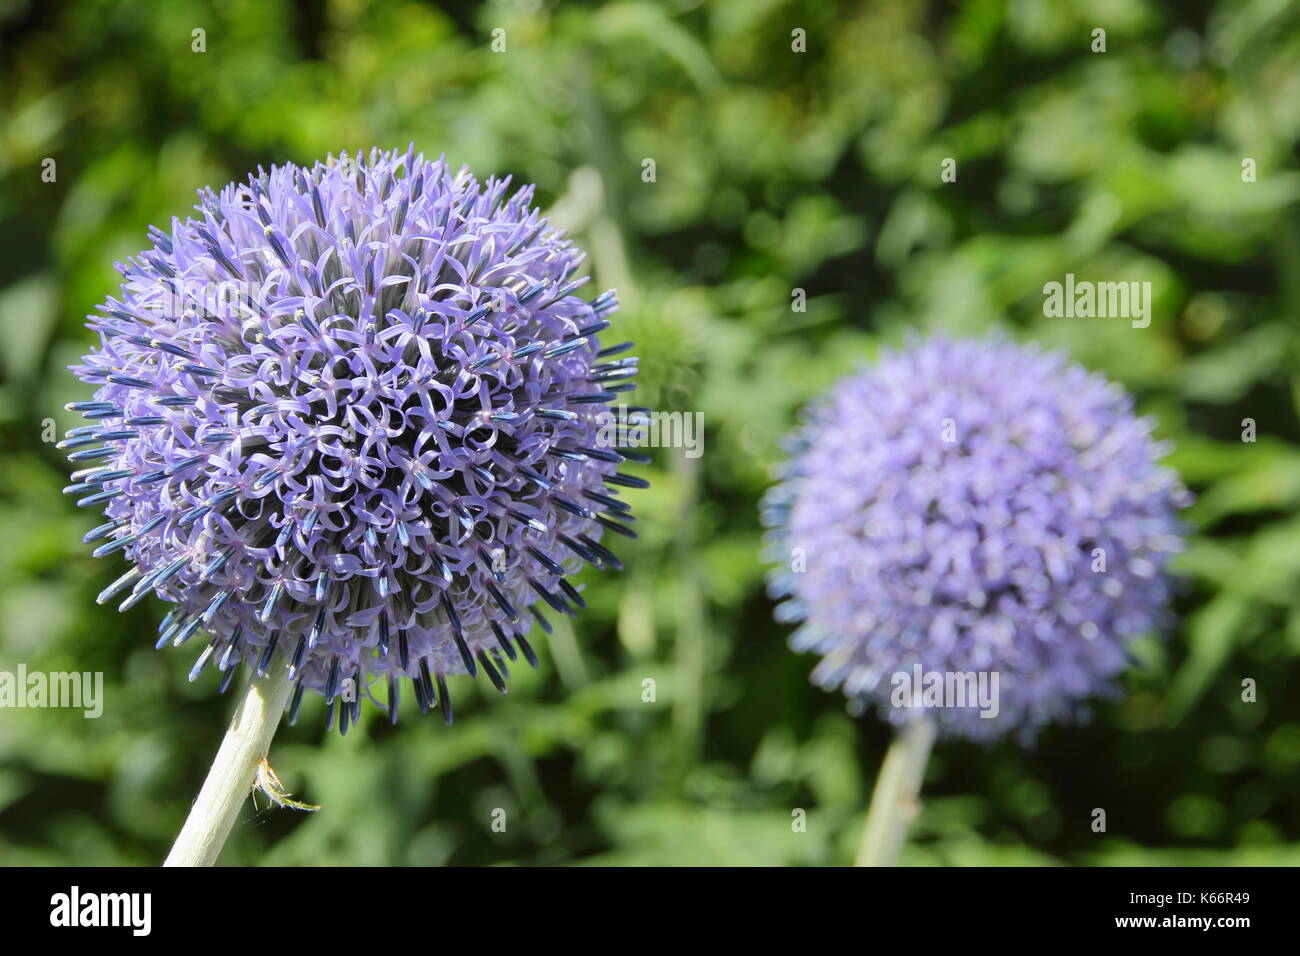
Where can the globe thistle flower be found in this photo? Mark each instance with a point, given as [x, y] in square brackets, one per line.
[967, 507]
[347, 423]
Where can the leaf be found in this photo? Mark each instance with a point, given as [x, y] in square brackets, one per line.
[1211, 634]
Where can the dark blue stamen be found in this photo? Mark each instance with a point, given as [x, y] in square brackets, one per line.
[394, 700]
[504, 641]
[445, 699]
[215, 605]
[550, 598]
[571, 506]
[611, 504]
[104, 530]
[202, 662]
[527, 649]
[616, 527]
[215, 565]
[299, 652]
[117, 586]
[534, 477]
[492, 674]
[627, 481]
[130, 381]
[231, 653]
[506, 607]
[187, 631]
[454, 619]
[226, 678]
[602, 454]
[541, 619]
[182, 465]
[317, 629]
[545, 560]
[564, 348]
[579, 550]
[99, 498]
[268, 608]
[602, 552]
[565, 454]
[332, 681]
[572, 592]
[115, 545]
[171, 349]
[295, 704]
[532, 292]
[268, 652]
[92, 454]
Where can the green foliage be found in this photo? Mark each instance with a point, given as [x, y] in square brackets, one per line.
[775, 171]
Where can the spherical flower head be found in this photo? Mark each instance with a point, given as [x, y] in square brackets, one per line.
[967, 509]
[350, 421]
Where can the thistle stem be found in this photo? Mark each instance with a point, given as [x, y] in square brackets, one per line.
[895, 801]
[230, 780]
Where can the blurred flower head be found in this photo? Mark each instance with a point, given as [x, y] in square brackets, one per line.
[347, 422]
[966, 508]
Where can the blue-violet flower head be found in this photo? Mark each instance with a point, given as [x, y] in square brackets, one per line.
[970, 508]
[348, 421]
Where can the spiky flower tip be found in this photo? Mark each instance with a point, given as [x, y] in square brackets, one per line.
[971, 508]
[349, 421]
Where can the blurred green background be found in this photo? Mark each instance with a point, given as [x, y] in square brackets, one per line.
[776, 170]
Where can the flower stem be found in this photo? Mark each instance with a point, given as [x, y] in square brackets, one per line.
[233, 771]
[895, 801]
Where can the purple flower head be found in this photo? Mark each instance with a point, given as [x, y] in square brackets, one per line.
[971, 508]
[348, 423]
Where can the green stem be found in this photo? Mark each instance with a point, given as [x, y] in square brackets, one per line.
[895, 801]
[689, 702]
[233, 772]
